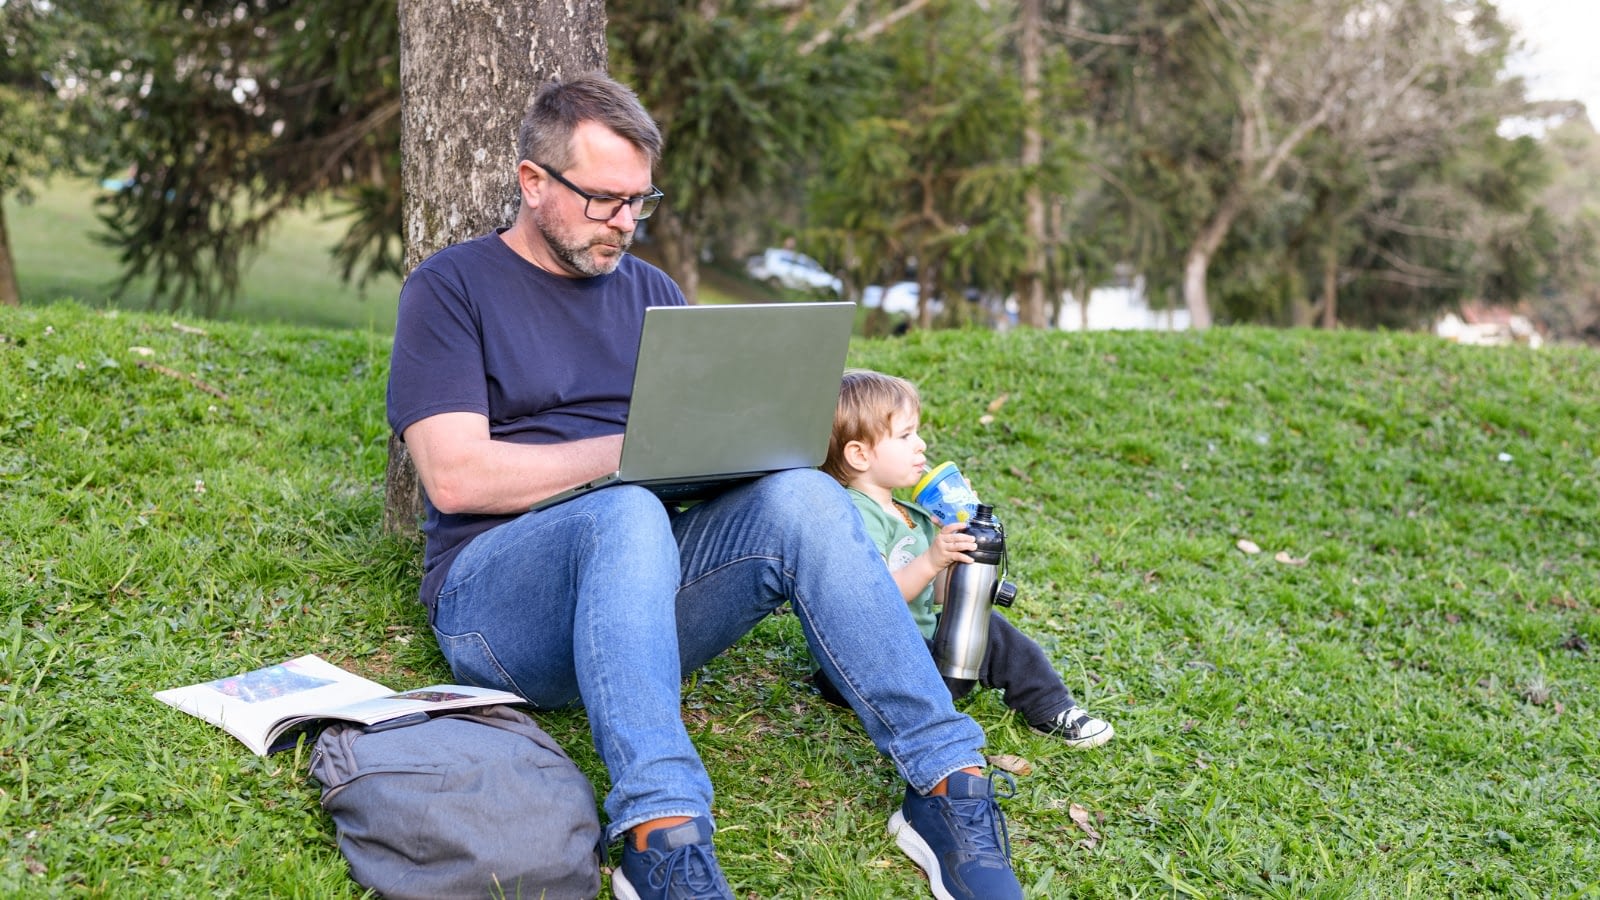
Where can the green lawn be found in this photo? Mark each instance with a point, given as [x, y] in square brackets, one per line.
[293, 279]
[1396, 697]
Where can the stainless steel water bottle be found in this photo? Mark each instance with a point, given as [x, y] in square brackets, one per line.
[971, 592]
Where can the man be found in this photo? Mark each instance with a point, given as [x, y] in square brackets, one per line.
[512, 368]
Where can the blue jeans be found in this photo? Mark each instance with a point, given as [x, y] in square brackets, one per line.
[607, 601]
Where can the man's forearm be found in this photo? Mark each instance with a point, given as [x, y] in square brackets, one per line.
[465, 471]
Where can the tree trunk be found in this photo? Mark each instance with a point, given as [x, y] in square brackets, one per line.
[10, 293]
[467, 71]
[679, 253]
[924, 296]
[1197, 262]
[1031, 285]
[1330, 287]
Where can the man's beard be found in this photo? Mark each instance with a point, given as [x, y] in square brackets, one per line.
[575, 255]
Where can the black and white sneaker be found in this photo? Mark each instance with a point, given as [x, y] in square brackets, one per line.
[1077, 729]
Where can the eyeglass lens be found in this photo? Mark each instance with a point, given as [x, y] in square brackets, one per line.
[603, 209]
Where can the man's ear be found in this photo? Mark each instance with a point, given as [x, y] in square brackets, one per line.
[529, 179]
[857, 456]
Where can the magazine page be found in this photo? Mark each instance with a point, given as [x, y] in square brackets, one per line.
[267, 708]
[432, 699]
[252, 706]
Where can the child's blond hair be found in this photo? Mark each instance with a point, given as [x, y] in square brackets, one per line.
[867, 401]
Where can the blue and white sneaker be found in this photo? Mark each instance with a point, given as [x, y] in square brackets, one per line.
[960, 839]
[677, 863]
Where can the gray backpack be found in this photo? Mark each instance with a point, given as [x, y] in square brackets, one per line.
[475, 804]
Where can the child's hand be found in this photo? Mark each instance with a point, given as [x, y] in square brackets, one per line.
[950, 546]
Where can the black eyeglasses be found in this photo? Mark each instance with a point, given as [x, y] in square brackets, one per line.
[642, 205]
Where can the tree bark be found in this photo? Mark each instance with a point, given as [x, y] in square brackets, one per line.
[1197, 262]
[1330, 287]
[1031, 288]
[10, 292]
[467, 71]
[677, 244]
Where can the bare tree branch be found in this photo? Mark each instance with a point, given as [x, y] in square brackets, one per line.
[1092, 37]
[870, 30]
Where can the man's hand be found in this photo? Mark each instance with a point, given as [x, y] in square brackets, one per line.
[464, 471]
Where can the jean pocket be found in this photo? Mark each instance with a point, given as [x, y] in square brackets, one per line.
[473, 662]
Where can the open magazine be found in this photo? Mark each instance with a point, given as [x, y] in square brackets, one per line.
[268, 708]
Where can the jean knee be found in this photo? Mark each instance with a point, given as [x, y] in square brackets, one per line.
[805, 495]
[630, 510]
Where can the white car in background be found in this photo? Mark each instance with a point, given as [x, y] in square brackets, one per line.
[794, 271]
[899, 298]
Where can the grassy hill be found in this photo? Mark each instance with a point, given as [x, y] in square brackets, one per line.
[292, 279]
[1397, 696]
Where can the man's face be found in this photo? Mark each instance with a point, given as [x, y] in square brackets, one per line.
[603, 164]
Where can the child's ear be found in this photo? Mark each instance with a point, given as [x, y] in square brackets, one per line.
[856, 456]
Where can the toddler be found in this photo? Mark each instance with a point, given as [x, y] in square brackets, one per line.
[874, 451]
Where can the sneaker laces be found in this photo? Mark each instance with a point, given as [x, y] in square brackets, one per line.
[694, 867]
[985, 830]
[1070, 722]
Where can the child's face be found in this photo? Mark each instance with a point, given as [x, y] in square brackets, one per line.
[897, 460]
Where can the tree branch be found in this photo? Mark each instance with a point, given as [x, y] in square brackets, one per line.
[870, 30]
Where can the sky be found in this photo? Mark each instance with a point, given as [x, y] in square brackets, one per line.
[1563, 62]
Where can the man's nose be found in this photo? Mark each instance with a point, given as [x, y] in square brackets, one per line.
[623, 218]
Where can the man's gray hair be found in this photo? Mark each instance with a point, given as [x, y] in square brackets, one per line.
[559, 105]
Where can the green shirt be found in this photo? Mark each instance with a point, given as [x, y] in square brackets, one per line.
[900, 544]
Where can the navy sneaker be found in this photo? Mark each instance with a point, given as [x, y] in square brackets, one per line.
[677, 863]
[960, 839]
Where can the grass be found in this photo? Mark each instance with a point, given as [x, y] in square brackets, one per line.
[293, 279]
[1405, 707]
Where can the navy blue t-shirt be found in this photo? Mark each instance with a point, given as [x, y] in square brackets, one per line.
[546, 359]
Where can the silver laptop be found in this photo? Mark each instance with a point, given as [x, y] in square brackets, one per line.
[727, 393]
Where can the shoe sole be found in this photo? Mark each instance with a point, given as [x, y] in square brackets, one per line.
[915, 847]
[1083, 743]
[1093, 740]
[621, 889]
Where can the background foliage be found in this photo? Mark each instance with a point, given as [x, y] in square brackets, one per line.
[1313, 161]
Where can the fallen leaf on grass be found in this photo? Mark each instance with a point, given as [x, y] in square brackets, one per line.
[996, 403]
[188, 329]
[1248, 546]
[1080, 817]
[1284, 557]
[985, 419]
[1016, 765]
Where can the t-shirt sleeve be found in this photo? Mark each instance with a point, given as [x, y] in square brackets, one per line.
[436, 365]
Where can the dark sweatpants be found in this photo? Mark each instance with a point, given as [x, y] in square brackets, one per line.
[1013, 663]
